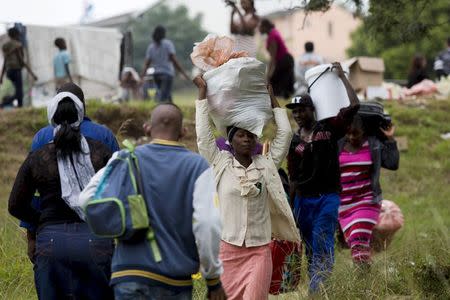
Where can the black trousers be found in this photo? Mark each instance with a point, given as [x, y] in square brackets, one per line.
[15, 75]
[283, 79]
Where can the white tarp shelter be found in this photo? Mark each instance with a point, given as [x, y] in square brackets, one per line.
[95, 59]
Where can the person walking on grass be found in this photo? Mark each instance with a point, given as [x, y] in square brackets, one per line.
[161, 56]
[61, 62]
[179, 190]
[70, 262]
[361, 159]
[313, 166]
[280, 73]
[45, 135]
[306, 61]
[12, 65]
[252, 201]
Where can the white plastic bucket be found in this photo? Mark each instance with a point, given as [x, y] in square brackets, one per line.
[328, 93]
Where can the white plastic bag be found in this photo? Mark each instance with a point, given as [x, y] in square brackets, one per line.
[237, 95]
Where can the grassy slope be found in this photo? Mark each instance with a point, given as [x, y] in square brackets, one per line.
[417, 264]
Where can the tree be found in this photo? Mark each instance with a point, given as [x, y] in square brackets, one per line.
[397, 30]
[180, 28]
[400, 20]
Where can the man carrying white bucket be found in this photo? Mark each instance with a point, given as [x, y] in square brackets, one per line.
[313, 163]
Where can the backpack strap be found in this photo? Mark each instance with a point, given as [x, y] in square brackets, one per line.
[139, 185]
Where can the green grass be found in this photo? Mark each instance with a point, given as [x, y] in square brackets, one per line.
[415, 266]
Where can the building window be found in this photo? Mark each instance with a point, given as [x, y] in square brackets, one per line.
[307, 23]
[330, 29]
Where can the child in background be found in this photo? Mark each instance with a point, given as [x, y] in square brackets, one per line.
[129, 84]
[61, 63]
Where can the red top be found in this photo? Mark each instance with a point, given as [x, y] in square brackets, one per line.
[275, 36]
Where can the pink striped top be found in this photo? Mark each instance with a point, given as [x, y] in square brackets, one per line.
[355, 178]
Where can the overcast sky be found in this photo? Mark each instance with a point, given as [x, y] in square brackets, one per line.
[67, 12]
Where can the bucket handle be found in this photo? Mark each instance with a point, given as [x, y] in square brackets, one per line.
[326, 70]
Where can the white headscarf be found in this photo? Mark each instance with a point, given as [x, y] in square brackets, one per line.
[76, 170]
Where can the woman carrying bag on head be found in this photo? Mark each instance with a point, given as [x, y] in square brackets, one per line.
[252, 201]
[70, 262]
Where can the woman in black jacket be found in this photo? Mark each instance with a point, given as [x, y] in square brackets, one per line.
[417, 70]
[70, 262]
[361, 158]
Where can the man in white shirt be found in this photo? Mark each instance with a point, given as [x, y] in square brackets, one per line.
[305, 62]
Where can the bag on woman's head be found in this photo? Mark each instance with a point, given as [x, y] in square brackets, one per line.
[389, 222]
[238, 96]
[374, 118]
[214, 51]
[237, 92]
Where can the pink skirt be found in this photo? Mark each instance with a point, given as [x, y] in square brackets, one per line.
[357, 227]
[247, 271]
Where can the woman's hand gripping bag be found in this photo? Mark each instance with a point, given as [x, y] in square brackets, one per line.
[237, 95]
[117, 210]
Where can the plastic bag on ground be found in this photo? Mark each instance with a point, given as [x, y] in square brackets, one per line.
[213, 52]
[390, 221]
[237, 95]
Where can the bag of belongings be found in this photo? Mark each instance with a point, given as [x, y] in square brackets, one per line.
[389, 222]
[373, 117]
[237, 93]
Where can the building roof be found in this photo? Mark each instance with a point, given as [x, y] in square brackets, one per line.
[115, 21]
[281, 13]
[119, 21]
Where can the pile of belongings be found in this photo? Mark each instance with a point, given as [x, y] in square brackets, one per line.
[425, 89]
